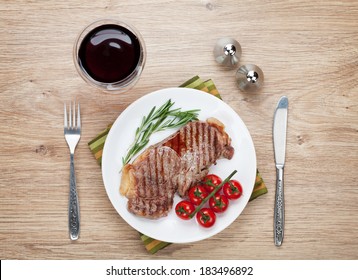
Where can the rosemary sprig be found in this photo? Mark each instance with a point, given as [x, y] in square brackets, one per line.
[158, 120]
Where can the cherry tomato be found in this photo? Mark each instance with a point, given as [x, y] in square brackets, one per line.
[232, 189]
[211, 181]
[206, 217]
[219, 203]
[197, 194]
[183, 209]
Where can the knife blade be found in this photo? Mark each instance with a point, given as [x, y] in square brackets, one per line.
[279, 132]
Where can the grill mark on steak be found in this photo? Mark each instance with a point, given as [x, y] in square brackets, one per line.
[181, 143]
[173, 165]
[194, 140]
[141, 191]
[159, 170]
[153, 175]
[148, 192]
[216, 146]
[206, 149]
[212, 147]
[201, 143]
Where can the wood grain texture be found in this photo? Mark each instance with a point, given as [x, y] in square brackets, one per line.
[308, 51]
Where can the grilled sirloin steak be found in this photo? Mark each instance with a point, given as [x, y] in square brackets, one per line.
[175, 164]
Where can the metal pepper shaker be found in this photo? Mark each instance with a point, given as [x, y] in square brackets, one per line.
[249, 77]
[227, 52]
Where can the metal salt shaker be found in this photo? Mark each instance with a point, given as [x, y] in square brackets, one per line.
[249, 77]
[227, 52]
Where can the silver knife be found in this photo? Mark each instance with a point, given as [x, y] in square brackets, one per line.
[279, 143]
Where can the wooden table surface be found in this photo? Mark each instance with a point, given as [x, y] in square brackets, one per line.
[308, 50]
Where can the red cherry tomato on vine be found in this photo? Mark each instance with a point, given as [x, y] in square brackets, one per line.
[183, 209]
[197, 194]
[232, 189]
[206, 217]
[219, 203]
[211, 181]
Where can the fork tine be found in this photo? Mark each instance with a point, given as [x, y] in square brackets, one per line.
[74, 115]
[65, 117]
[78, 117]
[70, 116]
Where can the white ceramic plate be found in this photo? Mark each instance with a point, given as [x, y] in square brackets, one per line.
[171, 228]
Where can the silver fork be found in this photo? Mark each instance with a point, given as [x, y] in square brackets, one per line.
[72, 131]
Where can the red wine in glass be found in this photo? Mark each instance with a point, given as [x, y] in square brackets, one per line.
[109, 53]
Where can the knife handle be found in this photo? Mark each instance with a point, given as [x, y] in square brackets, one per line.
[279, 215]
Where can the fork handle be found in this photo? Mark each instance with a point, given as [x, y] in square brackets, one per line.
[73, 210]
